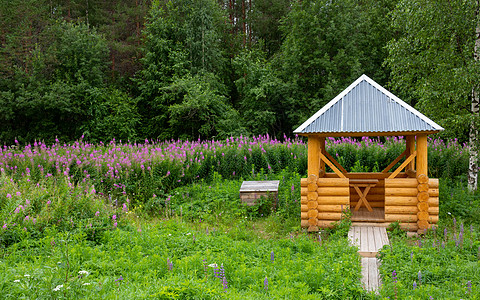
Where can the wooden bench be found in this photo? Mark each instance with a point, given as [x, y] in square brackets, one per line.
[250, 191]
[363, 183]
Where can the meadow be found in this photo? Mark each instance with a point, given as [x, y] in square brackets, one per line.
[163, 220]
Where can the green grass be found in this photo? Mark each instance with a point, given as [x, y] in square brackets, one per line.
[138, 252]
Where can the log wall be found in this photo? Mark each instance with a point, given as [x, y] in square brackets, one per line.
[411, 201]
[323, 200]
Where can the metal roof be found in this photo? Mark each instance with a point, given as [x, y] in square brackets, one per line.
[365, 106]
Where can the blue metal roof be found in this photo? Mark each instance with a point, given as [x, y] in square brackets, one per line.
[367, 107]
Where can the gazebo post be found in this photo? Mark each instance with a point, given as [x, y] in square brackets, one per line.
[422, 155]
[314, 146]
[422, 178]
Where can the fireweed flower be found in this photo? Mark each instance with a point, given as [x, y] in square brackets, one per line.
[9, 196]
[114, 217]
[97, 213]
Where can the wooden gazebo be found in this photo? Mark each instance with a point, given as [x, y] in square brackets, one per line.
[406, 194]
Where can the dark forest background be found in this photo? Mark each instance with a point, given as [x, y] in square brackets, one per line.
[189, 69]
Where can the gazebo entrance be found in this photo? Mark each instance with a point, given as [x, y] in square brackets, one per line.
[404, 194]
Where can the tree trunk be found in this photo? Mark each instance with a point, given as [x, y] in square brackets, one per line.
[473, 163]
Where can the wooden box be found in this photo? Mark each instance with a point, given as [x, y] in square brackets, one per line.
[250, 191]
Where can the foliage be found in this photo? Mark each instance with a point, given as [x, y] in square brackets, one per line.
[442, 264]
[140, 170]
[181, 84]
[432, 59]
[328, 44]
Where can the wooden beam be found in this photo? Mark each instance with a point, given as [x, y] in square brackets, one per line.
[403, 165]
[331, 165]
[313, 158]
[335, 162]
[393, 163]
[422, 157]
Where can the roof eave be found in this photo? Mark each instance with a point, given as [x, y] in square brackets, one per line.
[370, 133]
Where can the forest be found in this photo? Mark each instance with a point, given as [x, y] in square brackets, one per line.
[189, 69]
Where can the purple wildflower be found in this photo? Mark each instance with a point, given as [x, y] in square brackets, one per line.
[221, 272]
[169, 264]
[414, 285]
[225, 284]
[265, 283]
[272, 256]
[420, 277]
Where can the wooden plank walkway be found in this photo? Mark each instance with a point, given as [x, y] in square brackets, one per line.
[370, 274]
[369, 239]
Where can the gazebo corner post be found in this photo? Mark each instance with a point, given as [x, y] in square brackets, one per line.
[312, 202]
[314, 162]
[422, 178]
[314, 148]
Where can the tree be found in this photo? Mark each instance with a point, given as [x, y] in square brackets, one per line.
[328, 44]
[434, 63]
[183, 54]
[48, 99]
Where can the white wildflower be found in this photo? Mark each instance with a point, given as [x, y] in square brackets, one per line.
[16, 280]
[83, 272]
[87, 283]
[26, 275]
[58, 287]
[188, 233]
[213, 265]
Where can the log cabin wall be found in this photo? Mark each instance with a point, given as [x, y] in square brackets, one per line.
[323, 200]
[412, 202]
[401, 202]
